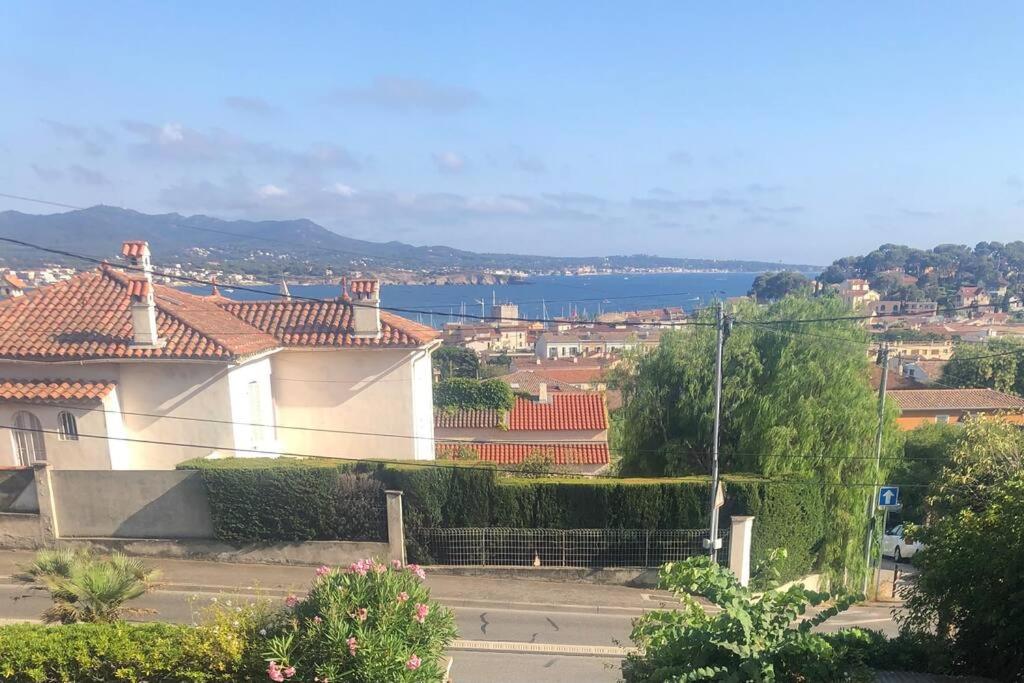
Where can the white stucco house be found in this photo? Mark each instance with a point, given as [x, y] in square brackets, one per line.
[109, 370]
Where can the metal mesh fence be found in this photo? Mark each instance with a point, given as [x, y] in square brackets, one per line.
[584, 548]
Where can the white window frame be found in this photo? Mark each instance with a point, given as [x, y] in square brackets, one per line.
[29, 440]
[942, 419]
[67, 426]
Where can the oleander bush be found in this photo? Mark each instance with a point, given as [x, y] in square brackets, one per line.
[754, 637]
[367, 623]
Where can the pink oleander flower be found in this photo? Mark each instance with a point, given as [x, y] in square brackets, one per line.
[421, 612]
[360, 567]
[396, 564]
[291, 601]
[413, 663]
[417, 570]
[353, 645]
[274, 672]
[362, 613]
[323, 570]
[289, 672]
[317, 619]
[403, 596]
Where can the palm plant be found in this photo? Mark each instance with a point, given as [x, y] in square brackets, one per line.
[86, 587]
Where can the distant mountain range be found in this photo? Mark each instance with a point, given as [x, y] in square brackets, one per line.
[294, 248]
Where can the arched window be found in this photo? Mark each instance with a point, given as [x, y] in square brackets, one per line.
[28, 438]
[67, 426]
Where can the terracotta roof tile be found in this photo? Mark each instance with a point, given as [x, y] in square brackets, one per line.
[530, 381]
[365, 286]
[561, 412]
[134, 248]
[466, 419]
[325, 324]
[14, 281]
[955, 399]
[53, 390]
[515, 453]
[89, 317]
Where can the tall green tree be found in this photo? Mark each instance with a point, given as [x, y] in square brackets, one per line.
[456, 361]
[796, 404]
[775, 286]
[970, 575]
[977, 365]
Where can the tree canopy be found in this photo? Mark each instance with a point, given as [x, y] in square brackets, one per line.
[975, 365]
[796, 404]
[775, 286]
[456, 361]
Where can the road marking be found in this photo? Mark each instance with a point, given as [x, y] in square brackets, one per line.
[541, 648]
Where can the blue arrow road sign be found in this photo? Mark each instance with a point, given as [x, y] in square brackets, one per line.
[888, 496]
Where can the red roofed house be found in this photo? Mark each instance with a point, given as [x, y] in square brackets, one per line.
[570, 428]
[11, 286]
[927, 406]
[109, 370]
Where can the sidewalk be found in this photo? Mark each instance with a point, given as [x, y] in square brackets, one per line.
[216, 577]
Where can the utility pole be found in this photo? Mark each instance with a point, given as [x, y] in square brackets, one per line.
[884, 357]
[713, 540]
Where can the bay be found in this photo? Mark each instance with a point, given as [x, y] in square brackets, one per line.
[560, 295]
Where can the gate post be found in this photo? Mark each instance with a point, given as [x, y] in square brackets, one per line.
[739, 547]
[396, 527]
[49, 531]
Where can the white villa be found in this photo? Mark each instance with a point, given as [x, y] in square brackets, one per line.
[109, 370]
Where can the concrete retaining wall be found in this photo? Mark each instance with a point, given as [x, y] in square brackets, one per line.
[309, 552]
[20, 531]
[164, 504]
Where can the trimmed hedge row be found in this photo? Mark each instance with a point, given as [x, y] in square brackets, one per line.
[278, 500]
[31, 653]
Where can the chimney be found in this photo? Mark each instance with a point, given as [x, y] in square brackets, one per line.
[140, 292]
[542, 392]
[143, 308]
[136, 253]
[365, 296]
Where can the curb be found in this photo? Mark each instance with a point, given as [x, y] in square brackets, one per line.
[540, 648]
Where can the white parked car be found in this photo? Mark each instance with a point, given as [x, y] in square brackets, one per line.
[897, 547]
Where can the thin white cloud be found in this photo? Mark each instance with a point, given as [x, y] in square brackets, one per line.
[406, 94]
[449, 162]
[271, 191]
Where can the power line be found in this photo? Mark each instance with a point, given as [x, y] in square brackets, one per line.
[392, 309]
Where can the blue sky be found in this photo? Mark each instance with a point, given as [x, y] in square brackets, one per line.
[777, 131]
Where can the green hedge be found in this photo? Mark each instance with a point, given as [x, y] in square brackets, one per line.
[119, 652]
[470, 394]
[265, 500]
[288, 500]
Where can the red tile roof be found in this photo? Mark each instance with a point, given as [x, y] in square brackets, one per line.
[88, 317]
[530, 381]
[14, 281]
[364, 286]
[53, 390]
[514, 453]
[466, 419]
[955, 399]
[561, 412]
[325, 324]
[138, 288]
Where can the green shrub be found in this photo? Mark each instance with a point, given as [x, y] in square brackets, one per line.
[288, 500]
[917, 652]
[85, 586]
[120, 652]
[752, 638]
[265, 500]
[370, 622]
[471, 394]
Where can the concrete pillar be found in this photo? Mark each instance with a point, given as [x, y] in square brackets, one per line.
[739, 547]
[48, 529]
[396, 527]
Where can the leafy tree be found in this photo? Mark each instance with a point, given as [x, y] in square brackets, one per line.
[752, 638]
[86, 587]
[456, 361]
[970, 575]
[775, 286]
[926, 451]
[796, 403]
[975, 365]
